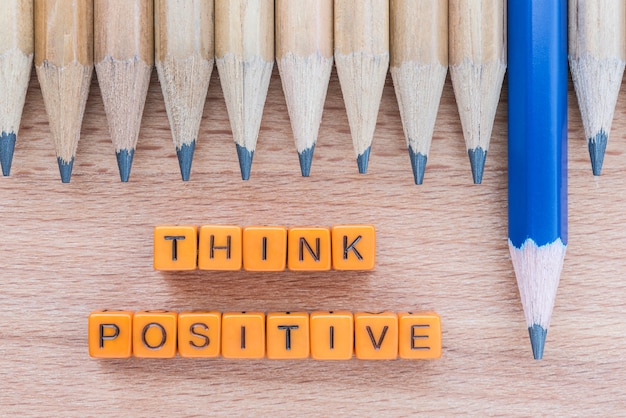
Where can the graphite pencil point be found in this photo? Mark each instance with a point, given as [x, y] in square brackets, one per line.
[418, 164]
[65, 168]
[124, 163]
[363, 159]
[477, 157]
[245, 161]
[537, 340]
[185, 158]
[7, 146]
[597, 148]
[306, 158]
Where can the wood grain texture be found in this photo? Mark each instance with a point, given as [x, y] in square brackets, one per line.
[71, 249]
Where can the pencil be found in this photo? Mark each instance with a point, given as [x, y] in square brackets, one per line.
[16, 60]
[244, 54]
[419, 63]
[597, 54]
[477, 67]
[537, 36]
[184, 51]
[362, 59]
[304, 54]
[64, 64]
[124, 54]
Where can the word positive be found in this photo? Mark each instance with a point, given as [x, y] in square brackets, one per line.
[264, 248]
[332, 335]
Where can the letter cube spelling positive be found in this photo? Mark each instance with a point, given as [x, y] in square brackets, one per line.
[199, 334]
[287, 335]
[243, 335]
[376, 335]
[110, 334]
[332, 335]
[155, 334]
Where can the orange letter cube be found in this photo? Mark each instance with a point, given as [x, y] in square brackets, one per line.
[243, 335]
[154, 334]
[175, 247]
[308, 249]
[332, 335]
[376, 335]
[220, 247]
[199, 334]
[110, 334]
[419, 335]
[264, 248]
[287, 335]
[354, 247]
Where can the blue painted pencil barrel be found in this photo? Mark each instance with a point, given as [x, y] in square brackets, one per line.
[537, 56]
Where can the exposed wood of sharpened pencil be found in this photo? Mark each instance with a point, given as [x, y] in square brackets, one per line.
[184, 52]
[16, 60]
[477, 67]
[244, 54]
[362, 59]
[124, 54]
[537, 33]
[64, 64]
[304, 54]
[419, 63]
[597, 54]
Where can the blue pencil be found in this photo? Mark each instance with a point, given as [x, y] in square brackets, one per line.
[537, 36]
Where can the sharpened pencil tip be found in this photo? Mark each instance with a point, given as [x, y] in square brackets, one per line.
[597, 147]
[418, 163]
[306, 158]
[537, 340]
[362, 160]
[65, 169]
[477, 157]
[124, 163]
[245, 161]
[7, 146]
[185, 157]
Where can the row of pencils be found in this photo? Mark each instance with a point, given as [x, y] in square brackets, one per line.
[417, 40]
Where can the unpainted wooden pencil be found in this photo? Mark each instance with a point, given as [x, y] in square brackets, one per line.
[64, 64]
[597, 54]
[124, 55]
[244, 55]
[477, 67]
[419, 64]
[304, 54]
[362, 60]
[184, 52]
[16, 60]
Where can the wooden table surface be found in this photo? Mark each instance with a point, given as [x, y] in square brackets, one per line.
[70, 249]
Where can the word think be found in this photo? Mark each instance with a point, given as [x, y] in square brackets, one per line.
[264, 248]
[331, 335]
